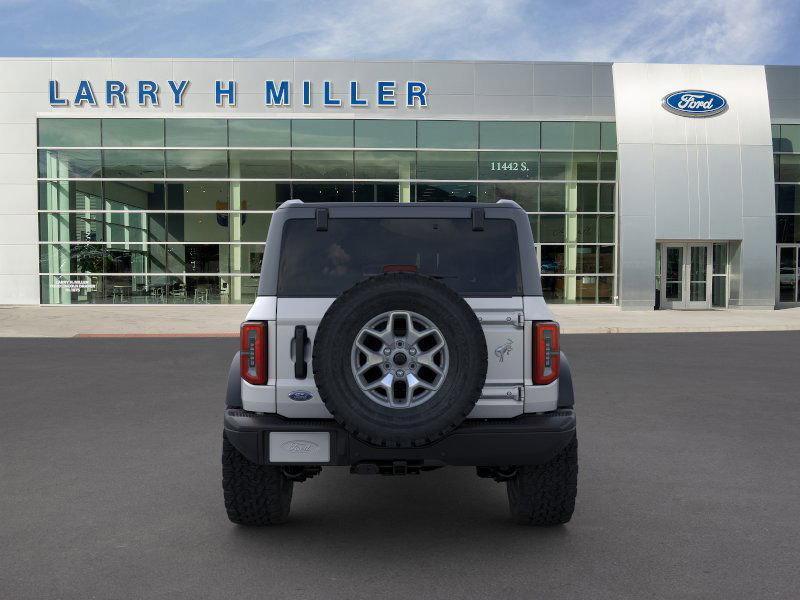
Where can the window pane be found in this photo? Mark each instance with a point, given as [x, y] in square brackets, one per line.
[587, 197]
[385, 133]
[556, 165]
[72, 227]
[552, 229]
[788, 261]
[790, 138]
[587, 228]
[787, 198]
[789, 168]
[133, 195]
[133, 132]
[788, 288]
[788, 229]
[524, 194]
[447, 192]
[720, 262]
[197, 163]
[553, 289]
[71, 258]
[587, 136]
[534, 221]
[254, 226]
[322, 133]
[258, 133]
[70, 195]
[252, 255]
[553, 197]
[354, 249]
[608, 136]
[608, 166]
[382, 192]
[133, 163]
[557, 135]
[259, 164]
[198, 227]
[505, 134]
[385, 165]
[446, 165]
[605, 290]
[605, 229]
[585, 166]
[447, 134]
[320, 164]
[323, 192]
[586, 259]
[718, 292]
[69, 132]
[198, 258]
[200, 195]
[552, 259]
[509, 165]
[259, 195]
[606, 197]
[605, 263]
[127, 227]
[776, 138]
[196, 132]
[586, 289]
[61, 164]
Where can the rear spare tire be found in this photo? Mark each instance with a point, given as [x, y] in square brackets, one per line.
[400, 360]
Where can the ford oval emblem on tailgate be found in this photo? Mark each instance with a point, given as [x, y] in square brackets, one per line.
[300, 395]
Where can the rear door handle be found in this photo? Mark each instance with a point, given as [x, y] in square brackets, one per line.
[300, 339]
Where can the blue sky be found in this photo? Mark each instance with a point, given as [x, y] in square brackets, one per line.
[690, 31]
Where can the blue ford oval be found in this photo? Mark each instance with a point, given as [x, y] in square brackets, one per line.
[695, 103]
[300, 395]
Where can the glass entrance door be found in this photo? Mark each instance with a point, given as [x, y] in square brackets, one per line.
[686, 276]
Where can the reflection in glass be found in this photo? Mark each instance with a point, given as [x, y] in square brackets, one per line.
[446, 165]
[70, 195]
[385, 165]
[447, 134]
[322, 133]
[196, 132]
[447, 192]
[62, 164]
[385, 133]
[260, 164]
[322, 164]
[197, 164]
[69, 132]
[505, 134]
[198, 195]
[133, 132]
[124, 164]
[259, 133]
[524, 194]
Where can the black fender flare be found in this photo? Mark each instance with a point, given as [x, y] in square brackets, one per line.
[566, 394]
[233, 396]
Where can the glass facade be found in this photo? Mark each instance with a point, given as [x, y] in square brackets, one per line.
[177, 210]
[786, 149]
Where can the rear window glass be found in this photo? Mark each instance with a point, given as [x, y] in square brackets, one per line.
[326, 263]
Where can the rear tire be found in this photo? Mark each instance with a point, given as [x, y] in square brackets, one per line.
[254, 494]
[544, 495]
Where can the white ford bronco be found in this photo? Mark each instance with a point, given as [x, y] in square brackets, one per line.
[394, 339]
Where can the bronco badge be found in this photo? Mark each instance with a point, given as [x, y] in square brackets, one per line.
[505, 350]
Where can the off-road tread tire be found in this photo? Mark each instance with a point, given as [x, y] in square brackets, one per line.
[254, 494]
[544, 495]
[335, 394]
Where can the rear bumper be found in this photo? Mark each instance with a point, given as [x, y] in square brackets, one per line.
[525, 440]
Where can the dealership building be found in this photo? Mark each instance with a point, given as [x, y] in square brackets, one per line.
[153, 181]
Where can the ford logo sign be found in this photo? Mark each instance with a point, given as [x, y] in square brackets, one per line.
[300, 395]
[694, 103]
[299, 446]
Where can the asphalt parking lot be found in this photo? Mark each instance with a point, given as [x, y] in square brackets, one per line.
[689, 484]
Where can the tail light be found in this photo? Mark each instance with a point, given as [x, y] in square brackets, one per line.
[253, 346]
[546, 352]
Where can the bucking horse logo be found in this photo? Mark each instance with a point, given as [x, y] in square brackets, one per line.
[505, 350]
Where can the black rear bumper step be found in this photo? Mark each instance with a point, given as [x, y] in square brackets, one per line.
[525, 440]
